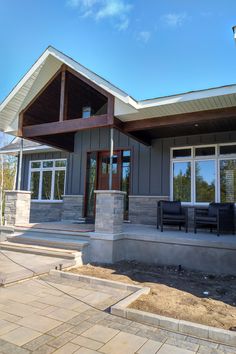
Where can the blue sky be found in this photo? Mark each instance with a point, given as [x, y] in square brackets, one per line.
[147, 48]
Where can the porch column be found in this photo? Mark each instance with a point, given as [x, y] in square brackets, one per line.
[109, 211]
[17, 207]
[106, 243]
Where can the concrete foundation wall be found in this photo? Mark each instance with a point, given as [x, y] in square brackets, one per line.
[197, 255]
[45, 212]
[206, 259]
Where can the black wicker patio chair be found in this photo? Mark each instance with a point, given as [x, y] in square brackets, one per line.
[219, 216]
[171, 213]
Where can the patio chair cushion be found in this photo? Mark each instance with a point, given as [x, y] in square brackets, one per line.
[213, 207]
[171, 208]
[205, 219]
[176, 217]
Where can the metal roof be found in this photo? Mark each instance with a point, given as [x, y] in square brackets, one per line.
[28, 147]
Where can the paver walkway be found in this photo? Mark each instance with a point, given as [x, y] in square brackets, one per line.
[37, 316]
[11, 269]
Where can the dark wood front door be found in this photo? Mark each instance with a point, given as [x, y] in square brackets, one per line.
[104, 170]
[97, 176]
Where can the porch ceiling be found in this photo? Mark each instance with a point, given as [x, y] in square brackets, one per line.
[183, 124]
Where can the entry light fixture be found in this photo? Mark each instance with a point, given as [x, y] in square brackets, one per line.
[196, 125]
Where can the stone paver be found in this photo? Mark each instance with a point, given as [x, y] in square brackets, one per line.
[38, 317]
[126, 342]
[100, 333]
[167, 349]
[150, 347]
[20, 336]
[39, 323]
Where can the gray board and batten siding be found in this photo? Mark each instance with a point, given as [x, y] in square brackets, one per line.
[150, 165]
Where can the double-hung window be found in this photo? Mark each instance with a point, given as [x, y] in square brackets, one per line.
[47, 179]
[203, 174]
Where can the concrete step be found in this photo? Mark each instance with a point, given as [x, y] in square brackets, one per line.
[40, 250]
[50, 240]
[55, 232]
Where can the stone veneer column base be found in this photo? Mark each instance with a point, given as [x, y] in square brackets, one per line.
[17, 207]
[73, 207]
[105, 241]
[143, 208]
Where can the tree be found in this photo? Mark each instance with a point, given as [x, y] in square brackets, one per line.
[7, 173]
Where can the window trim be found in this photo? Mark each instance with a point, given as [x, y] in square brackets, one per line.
[41, 169]
[192, 159]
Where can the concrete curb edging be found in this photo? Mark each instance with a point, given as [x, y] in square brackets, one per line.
[121, 309]
[97, 281]
[184, 327]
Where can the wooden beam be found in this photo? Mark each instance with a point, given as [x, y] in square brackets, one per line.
[110, 109]
[62, 96]
[185, 118]
[66, 126]
[119, 125]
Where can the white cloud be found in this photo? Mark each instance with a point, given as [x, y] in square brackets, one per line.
[174, 19]
[144, 36]
[117, 10]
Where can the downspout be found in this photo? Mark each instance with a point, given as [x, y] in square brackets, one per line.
[19, 165]
[111, 156]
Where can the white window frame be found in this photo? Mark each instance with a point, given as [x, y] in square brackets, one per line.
[192, 159]
[53, 169]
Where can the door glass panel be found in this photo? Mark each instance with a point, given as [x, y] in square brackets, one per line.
[105, 164]
[125, 180]
[182, 181]
[59, 184]
[205, 181]
[46, 185]
[228, 181]
[91, 183]
[114, 165]
[34, 185]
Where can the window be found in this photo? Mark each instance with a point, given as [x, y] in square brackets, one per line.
[228, 180]
[204, 174]
[182, 181]
[86, 112]
[47, 180]
[204, 181]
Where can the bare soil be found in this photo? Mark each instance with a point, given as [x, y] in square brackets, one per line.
[178, 293]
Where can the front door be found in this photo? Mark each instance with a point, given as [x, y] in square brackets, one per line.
[98, 169]
[104, 170]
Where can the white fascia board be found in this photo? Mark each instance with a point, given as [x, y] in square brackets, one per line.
[42, 148]
[189, 96]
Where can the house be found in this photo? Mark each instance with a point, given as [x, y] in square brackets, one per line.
[91, 135]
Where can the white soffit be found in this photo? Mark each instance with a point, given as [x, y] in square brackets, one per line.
[210, 99]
